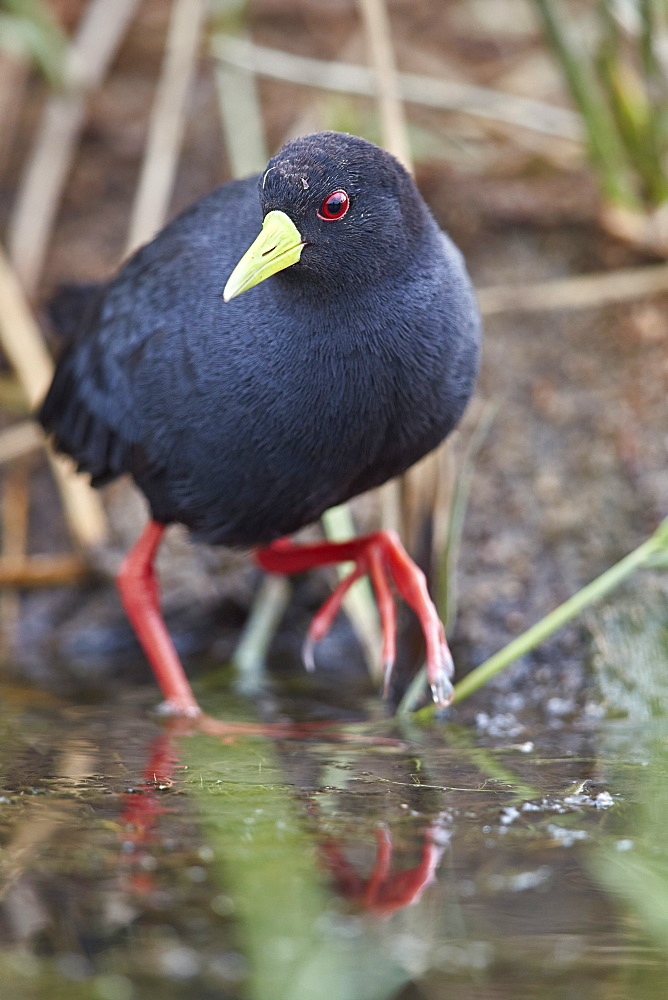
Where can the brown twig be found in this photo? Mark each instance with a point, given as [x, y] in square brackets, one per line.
[42, 571]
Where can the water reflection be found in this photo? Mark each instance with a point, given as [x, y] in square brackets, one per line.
[138, 862]
[385, 891]
[382, 891]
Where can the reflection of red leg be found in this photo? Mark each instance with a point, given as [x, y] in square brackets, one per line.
[381, 869]
[142, 808]
[383, 893]
[382, 555]
[405, 888]
[140, 595]
[349, 883]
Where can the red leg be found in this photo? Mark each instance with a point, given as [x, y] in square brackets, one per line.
[382, 554]
[388, 616]
[140, 595]
[323, 621]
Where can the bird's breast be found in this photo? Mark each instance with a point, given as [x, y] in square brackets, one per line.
[296, 412]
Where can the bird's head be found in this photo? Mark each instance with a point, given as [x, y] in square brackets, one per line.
[336, 209]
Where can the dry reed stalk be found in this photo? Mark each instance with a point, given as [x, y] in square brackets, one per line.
[12, 398]
[394, 137]
[242, 125]
[584, 291]
[409, 502]
[22, 343]
[240, 115]
[392, 117]
[97, 40]
[47, 817]
[167, 122]
[42, 571]
[247, 155]
[19, 440]
[414, 88]
[311, 117]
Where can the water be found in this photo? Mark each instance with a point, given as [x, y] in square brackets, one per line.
[363, 862]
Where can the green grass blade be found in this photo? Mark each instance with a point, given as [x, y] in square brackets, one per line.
[606, 149]
[652, 553]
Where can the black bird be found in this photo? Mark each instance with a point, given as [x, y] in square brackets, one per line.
[246, 418]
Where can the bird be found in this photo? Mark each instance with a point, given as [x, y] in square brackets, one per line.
[286, 343]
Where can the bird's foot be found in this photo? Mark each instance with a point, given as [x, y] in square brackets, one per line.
[384, 558]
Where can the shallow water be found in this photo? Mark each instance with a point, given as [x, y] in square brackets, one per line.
[368, 860]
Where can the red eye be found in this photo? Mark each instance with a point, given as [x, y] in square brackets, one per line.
[334, 206]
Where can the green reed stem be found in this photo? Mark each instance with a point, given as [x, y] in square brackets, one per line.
[651, 553]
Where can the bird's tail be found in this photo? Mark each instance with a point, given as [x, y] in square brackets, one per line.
[68, 412]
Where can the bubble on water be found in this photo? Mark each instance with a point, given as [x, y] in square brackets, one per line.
[179, 962]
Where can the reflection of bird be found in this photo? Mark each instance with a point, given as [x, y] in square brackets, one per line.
[246, 418]
[384, 891]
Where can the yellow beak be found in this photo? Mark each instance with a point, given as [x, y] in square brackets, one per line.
[278, 246]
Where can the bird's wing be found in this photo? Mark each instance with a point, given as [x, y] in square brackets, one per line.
[134, 337]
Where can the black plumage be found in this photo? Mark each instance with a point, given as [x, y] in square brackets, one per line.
[246, 420]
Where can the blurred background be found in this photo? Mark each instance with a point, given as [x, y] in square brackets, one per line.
[537, 131]
[515, 850]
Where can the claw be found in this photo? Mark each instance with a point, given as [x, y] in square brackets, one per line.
[308, 649]
[324, 619]
[448, 662]
[388, 666]
[442, 691]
